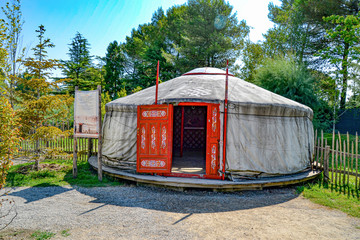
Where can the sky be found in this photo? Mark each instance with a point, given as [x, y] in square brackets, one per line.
[103, 21]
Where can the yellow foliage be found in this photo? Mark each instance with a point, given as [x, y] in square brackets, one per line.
[35, 113]
[137, 89]
[9, 137]
[47, 133]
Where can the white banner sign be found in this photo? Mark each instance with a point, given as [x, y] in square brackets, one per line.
[86, 114]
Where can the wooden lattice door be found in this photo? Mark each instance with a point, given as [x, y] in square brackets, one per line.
[154, 138]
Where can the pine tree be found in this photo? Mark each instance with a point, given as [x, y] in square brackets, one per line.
[80, 61]
[114, 69]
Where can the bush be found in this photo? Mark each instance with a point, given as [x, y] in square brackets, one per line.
[292, 80]
[9, 139]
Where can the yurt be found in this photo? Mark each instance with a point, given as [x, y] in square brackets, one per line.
[183, 134]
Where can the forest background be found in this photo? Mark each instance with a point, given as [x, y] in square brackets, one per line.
[311, 55]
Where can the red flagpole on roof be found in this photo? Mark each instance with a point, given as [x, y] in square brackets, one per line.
[157, 83]
[225, 117]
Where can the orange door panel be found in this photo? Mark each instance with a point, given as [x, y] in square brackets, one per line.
[212, 140]
[154, 138]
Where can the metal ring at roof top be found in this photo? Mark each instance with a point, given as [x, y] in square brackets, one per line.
[185, 74]
[207, 71]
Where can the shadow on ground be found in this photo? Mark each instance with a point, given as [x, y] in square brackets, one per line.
[188, 202]
[39, 192]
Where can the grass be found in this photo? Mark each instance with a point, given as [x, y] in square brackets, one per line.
[31, 234]
[344, 198]
[328, 137]
[352, 138]
[39, 235]
[65, 233]
[59, 175]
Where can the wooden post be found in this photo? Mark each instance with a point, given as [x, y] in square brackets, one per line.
[352, 160]
[344, 162]
[182, 132]
[75, 172]
[157, 82]
[225, 119]
[100, 138]
[348, 157]
[314, 156]
[322, 150]
[336, 161]
[90, 147]
[356, 161]
[332, 156]
[317, 154]
[326, 163]
[340, 157]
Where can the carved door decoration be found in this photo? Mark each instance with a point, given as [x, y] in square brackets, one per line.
[213, 139]
[154, 138]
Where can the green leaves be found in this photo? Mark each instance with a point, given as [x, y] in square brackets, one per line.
[79, 68]
[9, 137]
[343, 49]
[114, 69]
[285, 77]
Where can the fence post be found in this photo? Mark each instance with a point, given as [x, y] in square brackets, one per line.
[326, 163]
[90, 146]
[100, 139]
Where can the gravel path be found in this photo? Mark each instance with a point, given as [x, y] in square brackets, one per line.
[127, 212]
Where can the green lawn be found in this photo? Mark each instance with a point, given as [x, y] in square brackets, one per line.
[56, 172]
[344, 198]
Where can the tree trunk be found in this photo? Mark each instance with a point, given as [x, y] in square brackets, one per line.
[344, 66]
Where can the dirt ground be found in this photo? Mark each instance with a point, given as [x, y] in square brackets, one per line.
[129, 212]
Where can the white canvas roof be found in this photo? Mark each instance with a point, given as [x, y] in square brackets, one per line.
[208, 85]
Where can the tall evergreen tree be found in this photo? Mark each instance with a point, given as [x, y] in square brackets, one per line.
[80, 61]
[114, 69]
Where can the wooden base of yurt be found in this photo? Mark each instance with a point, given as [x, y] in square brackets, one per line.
[215, 185]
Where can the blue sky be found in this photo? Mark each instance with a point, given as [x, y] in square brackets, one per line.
[102, 22]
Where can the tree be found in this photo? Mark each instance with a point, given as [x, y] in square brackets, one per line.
[3, 57]
[252, 57]
[201, 33]
[38, 69]
[80, 61]
[9, 122]
[114, 69]
[287, 78]
[39, 105]
[211, 34]
[344, 48]
[13, 27]
[311, 28]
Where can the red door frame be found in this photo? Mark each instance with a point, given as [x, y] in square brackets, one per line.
[209, 135]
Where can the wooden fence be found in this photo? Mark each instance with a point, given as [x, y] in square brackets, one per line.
[85, 146]
[339, 159]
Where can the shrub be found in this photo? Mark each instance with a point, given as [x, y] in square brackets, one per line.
[9, 137]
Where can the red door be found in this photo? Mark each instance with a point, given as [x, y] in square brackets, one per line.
[212, 140]
[154, 138]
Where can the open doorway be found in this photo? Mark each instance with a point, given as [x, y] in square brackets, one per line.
[189, 140]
